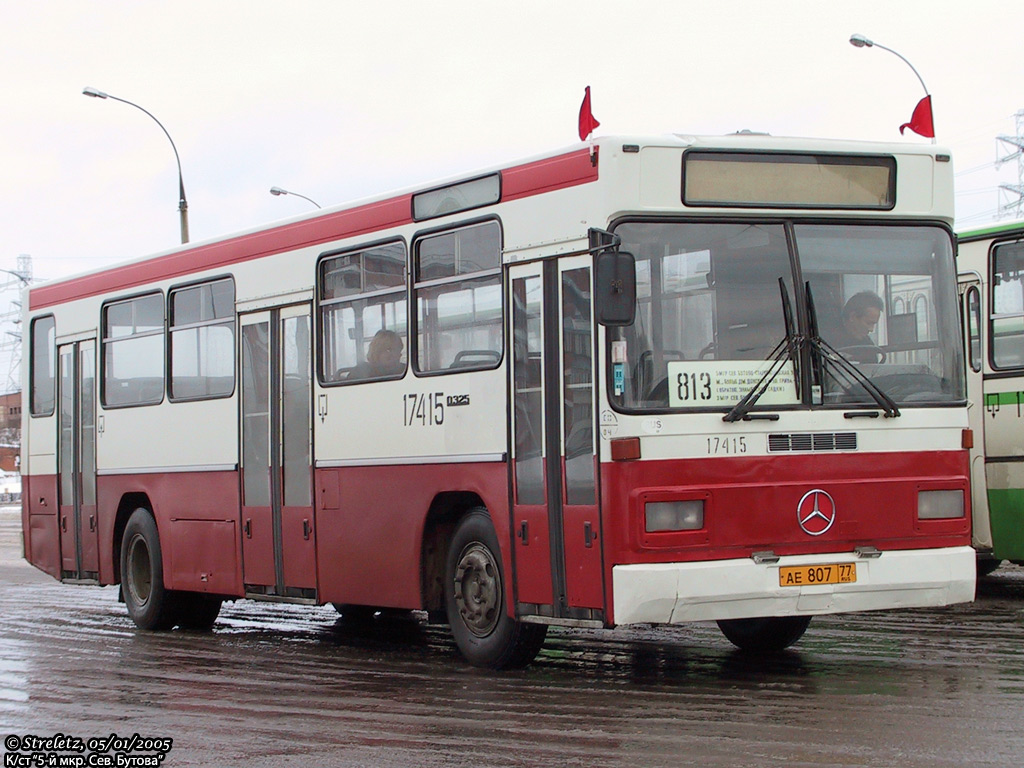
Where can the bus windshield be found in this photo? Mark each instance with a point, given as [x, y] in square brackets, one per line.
[711, 315]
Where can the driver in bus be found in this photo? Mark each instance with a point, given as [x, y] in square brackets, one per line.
[860, 318]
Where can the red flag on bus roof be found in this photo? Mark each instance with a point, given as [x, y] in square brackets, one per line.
[921, 121]
[587, 121]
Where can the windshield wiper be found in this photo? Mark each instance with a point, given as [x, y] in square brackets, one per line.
[785, 350]
[826, 352]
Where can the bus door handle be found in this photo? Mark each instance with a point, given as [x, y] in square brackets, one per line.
[92, 523]
[306, 529]
[248, 528]
[524, 532]
[64, 523]
[589, 535]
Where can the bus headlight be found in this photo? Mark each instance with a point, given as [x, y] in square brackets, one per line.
[674, 515]
[940, 505]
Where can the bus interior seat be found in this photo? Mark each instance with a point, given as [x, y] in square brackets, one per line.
[643, 373]
[476, 358]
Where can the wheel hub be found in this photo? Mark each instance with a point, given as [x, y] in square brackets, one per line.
[478, 589]
[139, 576]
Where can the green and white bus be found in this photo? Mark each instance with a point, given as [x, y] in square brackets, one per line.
[991, 276]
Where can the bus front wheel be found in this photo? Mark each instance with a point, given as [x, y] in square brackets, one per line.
[197, 611]
[769, 634]
[987, 565]
[484, 632]
[150, 605]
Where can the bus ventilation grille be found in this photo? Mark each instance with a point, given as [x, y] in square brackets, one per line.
[820, 441]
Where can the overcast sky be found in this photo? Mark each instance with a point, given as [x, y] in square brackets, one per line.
[339, 100]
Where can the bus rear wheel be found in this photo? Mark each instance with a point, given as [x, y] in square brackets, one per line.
[150, 605]
[769, 634]
[484, 632]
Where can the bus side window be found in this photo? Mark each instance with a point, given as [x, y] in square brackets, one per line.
[43, 372]
[133, 351]
[458, 299]
[202, 341]
[974, 328]
[1007, 306]
[363, 314]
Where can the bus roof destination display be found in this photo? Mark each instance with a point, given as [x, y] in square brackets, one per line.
[788, 180]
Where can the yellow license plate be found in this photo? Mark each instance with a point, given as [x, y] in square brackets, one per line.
[809, 575]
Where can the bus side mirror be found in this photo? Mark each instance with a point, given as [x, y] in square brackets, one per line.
[615, 288]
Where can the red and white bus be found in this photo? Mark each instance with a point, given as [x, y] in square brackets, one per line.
[599, 387]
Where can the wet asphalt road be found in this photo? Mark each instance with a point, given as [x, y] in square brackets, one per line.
[280, 685]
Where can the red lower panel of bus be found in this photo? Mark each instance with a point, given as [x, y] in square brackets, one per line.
[371, 522]
[367, 530]
[197, 518]
[41, 523]
[753, 504]
[533, 554]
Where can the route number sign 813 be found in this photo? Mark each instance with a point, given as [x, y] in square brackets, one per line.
[711, 383]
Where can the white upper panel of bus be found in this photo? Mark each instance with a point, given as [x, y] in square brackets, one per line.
[557, 196]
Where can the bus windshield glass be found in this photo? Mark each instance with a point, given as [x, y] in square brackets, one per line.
[712, 303]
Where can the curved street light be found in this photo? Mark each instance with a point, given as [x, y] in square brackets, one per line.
[277, 191]
[182, 203]
[860, 41]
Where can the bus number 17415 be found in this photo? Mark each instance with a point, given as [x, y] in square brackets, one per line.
[425, 410]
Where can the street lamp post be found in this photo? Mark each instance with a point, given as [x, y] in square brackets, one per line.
[182, 203]
[860, 41]
[276, 191]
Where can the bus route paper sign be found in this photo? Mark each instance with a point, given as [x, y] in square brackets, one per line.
[712, 383]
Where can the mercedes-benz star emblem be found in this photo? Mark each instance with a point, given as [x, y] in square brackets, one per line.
[816, 512]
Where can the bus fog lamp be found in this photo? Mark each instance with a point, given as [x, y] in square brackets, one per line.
[940, 505]
[674, 515]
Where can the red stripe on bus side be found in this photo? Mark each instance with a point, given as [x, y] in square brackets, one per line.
[302, 234]
[547, 175]
[518, 182]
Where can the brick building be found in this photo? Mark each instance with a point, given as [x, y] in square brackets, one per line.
[10, 431]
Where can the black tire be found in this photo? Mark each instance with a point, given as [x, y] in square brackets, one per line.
[197, 611]
[769, 634]
[484, 632]
[986, 565]
[150, 605]
[357, 614]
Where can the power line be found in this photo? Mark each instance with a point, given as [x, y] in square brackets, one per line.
[969, 134]
[10, 339]
[983, 191]
[976, 168]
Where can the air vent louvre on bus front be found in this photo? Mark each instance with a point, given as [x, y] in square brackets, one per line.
[818, 441]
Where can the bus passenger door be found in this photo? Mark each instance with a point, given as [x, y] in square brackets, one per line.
[555, 517]
[580, 512]
[971, 314]
[77, 462]
[278, 531]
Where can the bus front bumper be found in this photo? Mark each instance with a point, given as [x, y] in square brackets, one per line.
[674, 593]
